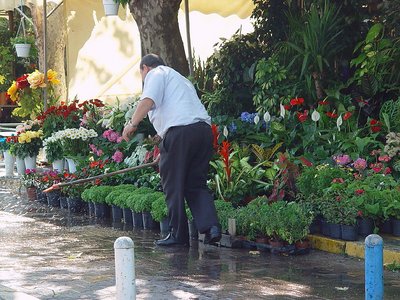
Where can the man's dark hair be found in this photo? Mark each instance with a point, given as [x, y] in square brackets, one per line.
[152, 61]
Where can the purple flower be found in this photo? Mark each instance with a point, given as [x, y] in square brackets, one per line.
[360, 164]
[342, 159]
[118, 156]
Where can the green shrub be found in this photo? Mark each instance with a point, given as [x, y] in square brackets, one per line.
[225, 211]
[159, 210]
[118, 195]
[145, 201]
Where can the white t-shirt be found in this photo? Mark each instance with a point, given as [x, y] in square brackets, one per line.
[175, 100]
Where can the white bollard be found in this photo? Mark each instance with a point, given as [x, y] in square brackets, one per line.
[124, 268]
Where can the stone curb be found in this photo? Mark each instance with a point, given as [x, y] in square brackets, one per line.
[391, 253]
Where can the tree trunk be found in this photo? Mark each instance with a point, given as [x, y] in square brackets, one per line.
[56, 44]
[157, 21]
[318, 85]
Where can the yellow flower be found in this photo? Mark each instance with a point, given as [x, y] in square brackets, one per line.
[52, 77]
[36, 79]
[2, 79]
[13, 91]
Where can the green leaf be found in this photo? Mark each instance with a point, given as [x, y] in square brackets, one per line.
[374, 32]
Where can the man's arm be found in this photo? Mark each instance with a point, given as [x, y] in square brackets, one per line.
[141, 111]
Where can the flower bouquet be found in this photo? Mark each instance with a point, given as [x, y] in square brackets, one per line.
[26, 92]
[74, 141]
[29, 144]
[30, 178]
[60, 117]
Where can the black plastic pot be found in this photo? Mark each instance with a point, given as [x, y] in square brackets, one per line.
[53, 198]
[137, 220]
[101, 210]
[335, 231]
[148, 221]
[74, 204]
[365, 226]
[116, 214]
[349, 232]
[127, 215]
[396, 227]
[164, 226]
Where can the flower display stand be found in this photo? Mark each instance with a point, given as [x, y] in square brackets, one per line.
[58, 165]
[30, 162]
[9, 160]
[20, 165]
[110, 7]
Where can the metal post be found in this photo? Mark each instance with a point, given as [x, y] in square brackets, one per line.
[189, 44]
[124, 269]
[373, 267]
[45, 53]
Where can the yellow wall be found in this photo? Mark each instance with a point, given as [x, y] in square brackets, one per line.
[102, 52]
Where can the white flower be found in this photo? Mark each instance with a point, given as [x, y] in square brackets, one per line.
[339, 122]
[315, 116]
[282, 111]
[256, 119]
[267, 117]
[225, 132]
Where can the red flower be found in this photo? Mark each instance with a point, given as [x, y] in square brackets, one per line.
[22, 82]
[224, 151]
[337, 180]
[325, 102]
[359, 192]
[376, 167]
[287, 107]
[296, 101]
[331, 115]
[384, 158]
[375, 125]
[387, 171]
[216, 134]
[347, 115]
[306, 162]
[359, 213]
[338, 198]
[302, 117]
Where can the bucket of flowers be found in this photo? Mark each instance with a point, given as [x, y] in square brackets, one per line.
[28, 146]
[30, 181]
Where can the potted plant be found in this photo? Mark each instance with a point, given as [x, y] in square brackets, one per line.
[111, 7]
[28, 146]
[54, 154]
[23, 45]
[30, 180]
[159, 212]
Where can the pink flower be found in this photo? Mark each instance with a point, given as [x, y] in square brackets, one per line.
[113, 136]
[118, 156]
[376, 167]
[360, 164]
[119, 140]
[342, 159]
[337, 180]
[359, 192]
[384, 158]
[387, 171]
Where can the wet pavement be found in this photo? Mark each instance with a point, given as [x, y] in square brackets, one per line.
[50, 253]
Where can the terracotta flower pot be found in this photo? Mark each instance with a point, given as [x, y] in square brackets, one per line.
[31, 192]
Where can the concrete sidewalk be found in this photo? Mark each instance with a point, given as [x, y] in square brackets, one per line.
[49, 253]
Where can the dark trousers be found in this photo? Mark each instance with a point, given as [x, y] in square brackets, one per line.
[184, 163]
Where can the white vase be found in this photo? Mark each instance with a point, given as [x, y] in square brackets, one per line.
[58, 165]
[30, 162]
[20, 165]
[110, 7]
[71, 165]
[9, 160]
[23, 50]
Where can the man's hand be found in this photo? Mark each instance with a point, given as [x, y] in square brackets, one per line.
[128, 131]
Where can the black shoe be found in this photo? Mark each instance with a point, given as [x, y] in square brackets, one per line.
[170, 240]
[213, 235]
